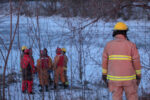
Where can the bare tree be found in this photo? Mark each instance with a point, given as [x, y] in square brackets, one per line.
[80, 39]
[12, 37]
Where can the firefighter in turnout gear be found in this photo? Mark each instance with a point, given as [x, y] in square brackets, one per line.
[59, 68]
[50, 71]
[22, 54]
[43, 65]
[121, 66]
[65, 66]
[27, 66]
[23, 49]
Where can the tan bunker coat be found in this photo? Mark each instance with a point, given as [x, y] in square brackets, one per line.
[43, 65]
[121, 64]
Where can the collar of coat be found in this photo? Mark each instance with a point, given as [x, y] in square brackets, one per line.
[120, 36]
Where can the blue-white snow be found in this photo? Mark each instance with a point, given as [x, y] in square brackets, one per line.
[84, 45]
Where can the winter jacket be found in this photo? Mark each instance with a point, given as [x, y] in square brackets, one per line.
[27, 66]
[59, 60]
[121, 61]
[43, 65]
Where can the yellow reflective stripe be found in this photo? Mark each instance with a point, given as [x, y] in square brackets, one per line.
[104, 70]
[119, 57]
[138, 71]
[121, 78]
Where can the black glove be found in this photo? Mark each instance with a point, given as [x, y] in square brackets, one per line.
[104, 77]
[138, 78]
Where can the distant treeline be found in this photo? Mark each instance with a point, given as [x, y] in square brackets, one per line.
[106, 9]
[4, 1]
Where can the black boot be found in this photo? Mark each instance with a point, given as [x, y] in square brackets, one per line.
[65, 86]
[46, 88]
[50, 80]
[31, 92]
[55, 86]
[41, 90]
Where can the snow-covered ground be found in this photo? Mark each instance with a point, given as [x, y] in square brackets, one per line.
[84, 45]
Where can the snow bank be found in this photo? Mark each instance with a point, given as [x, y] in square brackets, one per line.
[85, 45]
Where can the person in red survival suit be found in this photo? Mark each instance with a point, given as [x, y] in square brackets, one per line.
[27, 66]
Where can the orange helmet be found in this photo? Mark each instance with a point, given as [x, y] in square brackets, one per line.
[58, 51]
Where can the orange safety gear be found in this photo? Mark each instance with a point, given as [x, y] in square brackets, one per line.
[59, 68]
[121, 26]
[26, 51]
[43, 65]
[130, 91]
[121, 63]
[28, 68]
[27, 85]
[121, 52]
[59, 71]
[23, 48]
[60, 62]
[27, 65]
